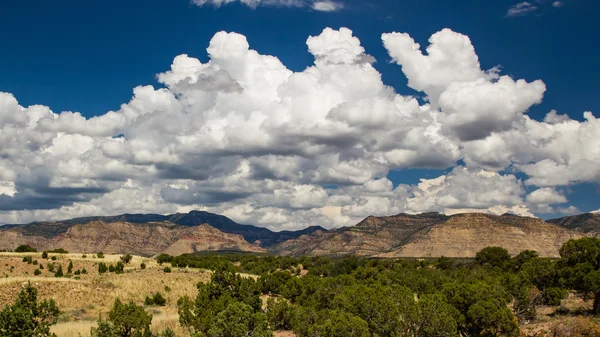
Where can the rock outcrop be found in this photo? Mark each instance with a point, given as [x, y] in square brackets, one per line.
[433, 235]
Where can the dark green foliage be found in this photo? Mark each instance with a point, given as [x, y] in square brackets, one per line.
[553, 296]
[329, 323]
[239, 320]
[59, 271]
[58, 251]
[167, 270]
[102, 268]
[37, 272]
[26, 317]
[493, 256]
[224, 298]
[53, 258]
[25, 249]
[126, 258]
[273, 283]
[100, 255]
[142, 265]
[164, 258]
[167, 333]
[124, 320]
[28, 259]
[83, 271]
[41, 266]
[280, 314]
[45, 255]
[119, 267]
[156, 299]
[35, 262]
[77, 272]
[51, 267]
[579, 267]
[70, 267]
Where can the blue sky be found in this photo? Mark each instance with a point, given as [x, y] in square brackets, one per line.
[88, 56]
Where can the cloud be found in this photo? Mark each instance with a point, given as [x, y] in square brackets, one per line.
[596, 211]
[322, 6]
[558, 4]
[327, 6]
[243, 135]
[520, 9]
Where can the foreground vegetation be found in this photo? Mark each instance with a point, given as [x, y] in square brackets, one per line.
[492, 295]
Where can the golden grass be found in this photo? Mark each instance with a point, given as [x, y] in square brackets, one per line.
[82, 301]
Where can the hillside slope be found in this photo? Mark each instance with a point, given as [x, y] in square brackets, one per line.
[124, 237]
[262, 236]
[432, 235]
[587, 223]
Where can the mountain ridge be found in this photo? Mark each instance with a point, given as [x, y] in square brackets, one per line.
[264, 236]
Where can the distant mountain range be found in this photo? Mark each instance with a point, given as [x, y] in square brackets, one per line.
[402, 235]
[259, 235]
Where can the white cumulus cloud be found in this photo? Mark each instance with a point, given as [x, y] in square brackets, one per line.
[243, 135]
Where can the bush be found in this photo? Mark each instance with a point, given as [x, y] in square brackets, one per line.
[280, 314]
[70, 267]
[59, 271]
[100, 255]
[162, 258]
[27, 259]
[35, 262]
[493, 256]
[41, 266]
[37, 272]
[51, 267]
[25, 249]
[58, 251]
[126, 258]
[77, 272]
[102, 268]
[45, 255]
[27, 317]
[83, 271]
[83, 256]
[553, 296]
[53, 258]
[119, 267]
[156, 299]
[143, 265]
[124, 320]
[167, 270]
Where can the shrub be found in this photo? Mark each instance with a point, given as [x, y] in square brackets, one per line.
[25, 249]
[160, 300]
[83, 271]
[59, 271]
[111, 268]
[119, 267]
[58, 251]
[77, 272]
[45, 255]
[100, 255]
[143, 265]
[53, 258]
[27, 317]
[553, 296]
[83, 256]
[70, 267]
[126, 258]
[37, 272]
[41, 266]
[51, 267]
[280, 314]
[102, 268]
[167, 270]
[162, 258]
[493, 256]
[124, 320]
[35, 262]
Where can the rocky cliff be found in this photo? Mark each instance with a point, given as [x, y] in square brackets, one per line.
[588, 223]
[433, 235]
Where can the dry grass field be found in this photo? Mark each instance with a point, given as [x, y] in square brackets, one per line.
[82, 300]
